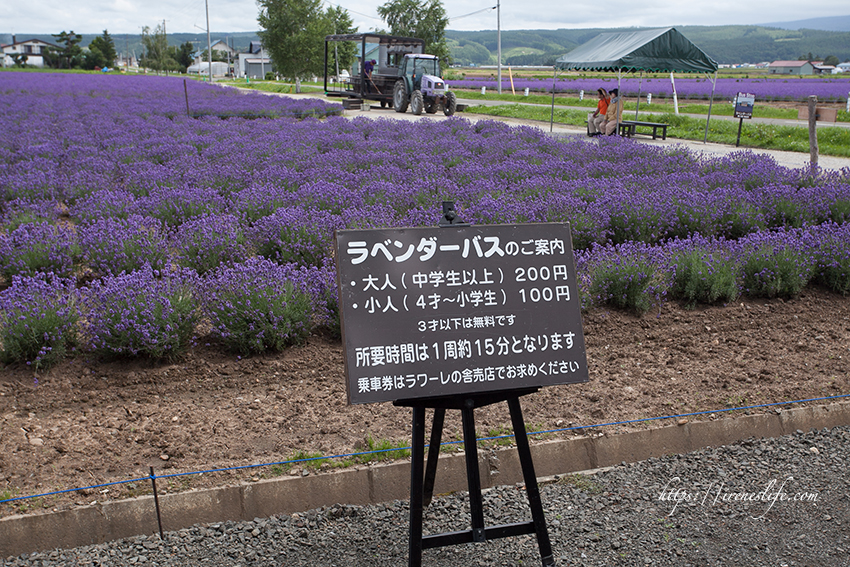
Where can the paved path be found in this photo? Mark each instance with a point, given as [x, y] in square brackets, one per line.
[786, 159]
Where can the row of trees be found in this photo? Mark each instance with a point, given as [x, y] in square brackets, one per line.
[70, 55]
[160, 56]
[101, 52]
[293, 32]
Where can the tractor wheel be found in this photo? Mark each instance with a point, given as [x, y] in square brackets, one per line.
[400, 100]
[431, 107]
[451, 104]
[417, 104]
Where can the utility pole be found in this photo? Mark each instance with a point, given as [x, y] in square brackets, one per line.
[209, 41]
[165, 54]
[499, 43]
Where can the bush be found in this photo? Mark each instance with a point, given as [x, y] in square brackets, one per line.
[144, 313]
[775, 265]
[208, 241]
[626, 276]
[38, 247]
[38, 318]
[703, 276]
[831, 250]
[115, 245]
[296, 235]
[258, 305]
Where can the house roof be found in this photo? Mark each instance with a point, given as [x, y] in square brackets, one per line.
[663, 49]
[789, 63]
[34, 40]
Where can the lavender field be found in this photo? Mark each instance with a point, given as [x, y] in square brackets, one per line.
[131, 227]
[828, 89]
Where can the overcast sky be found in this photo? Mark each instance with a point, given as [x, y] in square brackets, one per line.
[189, 16]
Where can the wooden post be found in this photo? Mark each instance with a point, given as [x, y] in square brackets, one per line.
[813, 130]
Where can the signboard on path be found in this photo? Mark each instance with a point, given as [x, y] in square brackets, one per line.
[443, 311]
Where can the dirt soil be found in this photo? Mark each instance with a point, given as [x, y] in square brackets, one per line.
[89, 422]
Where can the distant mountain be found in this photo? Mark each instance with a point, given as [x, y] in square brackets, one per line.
[724, 44]
[827, 23]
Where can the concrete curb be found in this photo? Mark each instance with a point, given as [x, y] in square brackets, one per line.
[119, 519]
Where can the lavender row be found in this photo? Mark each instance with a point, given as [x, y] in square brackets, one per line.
[221, 190]
[696, 269]
[260, 305]
[767, 89]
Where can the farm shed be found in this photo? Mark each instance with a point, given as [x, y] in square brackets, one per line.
[656, 50]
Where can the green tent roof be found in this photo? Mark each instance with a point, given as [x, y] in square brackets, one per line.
[661, 50]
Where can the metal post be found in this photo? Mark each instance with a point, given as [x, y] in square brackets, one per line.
[552, 118]
[156, 504]
[710, 100]
[637, 108]
[186, 93]
[740, 125]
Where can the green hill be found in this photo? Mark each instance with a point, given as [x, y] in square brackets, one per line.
[724, 44]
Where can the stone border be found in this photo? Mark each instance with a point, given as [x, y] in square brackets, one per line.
[119, 519]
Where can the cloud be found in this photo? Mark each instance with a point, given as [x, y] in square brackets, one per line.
[187, 16]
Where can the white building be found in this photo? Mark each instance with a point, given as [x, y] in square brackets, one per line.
[32, 49]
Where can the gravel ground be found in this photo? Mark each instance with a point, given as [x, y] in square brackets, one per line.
[772, 502]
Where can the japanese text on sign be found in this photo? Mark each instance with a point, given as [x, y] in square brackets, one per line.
[441, 311]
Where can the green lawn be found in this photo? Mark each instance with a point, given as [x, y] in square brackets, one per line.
[832, 141]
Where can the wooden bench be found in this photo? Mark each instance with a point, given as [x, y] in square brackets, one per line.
[629, 128]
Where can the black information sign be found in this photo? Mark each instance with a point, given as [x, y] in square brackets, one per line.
[430, 312]
[744, 103]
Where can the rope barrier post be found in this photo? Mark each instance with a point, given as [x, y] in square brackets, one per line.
[156, 504]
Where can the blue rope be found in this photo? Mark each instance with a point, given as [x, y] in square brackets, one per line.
[379, 451]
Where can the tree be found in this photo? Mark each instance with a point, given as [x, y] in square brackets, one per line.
[101, 52]
[831, 60]
[20, 59]
[293, 32]
[343, 54]
[157, 55]
[183, 56]
[70, 54]
[425, 19]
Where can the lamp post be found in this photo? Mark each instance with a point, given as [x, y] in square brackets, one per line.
[209, 42]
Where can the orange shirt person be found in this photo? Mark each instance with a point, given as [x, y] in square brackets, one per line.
[596, 120]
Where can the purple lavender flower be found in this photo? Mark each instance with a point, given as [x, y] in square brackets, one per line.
[205, 242]
[259, 305]
[38, 318]
[115, 245]
[38, 247]
[143, 313]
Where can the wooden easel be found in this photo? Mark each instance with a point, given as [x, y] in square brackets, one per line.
[422, 477]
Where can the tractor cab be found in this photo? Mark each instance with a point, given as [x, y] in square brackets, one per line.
[417, 65]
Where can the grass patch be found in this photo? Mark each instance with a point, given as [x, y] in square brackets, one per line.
[581, 482]
[831, 140]
[271, 87]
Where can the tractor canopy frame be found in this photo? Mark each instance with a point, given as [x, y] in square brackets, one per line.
[387, 51]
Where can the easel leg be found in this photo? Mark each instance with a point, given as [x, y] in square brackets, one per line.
[417, 467]
[470, 447]
[531, 488]
[433, 454]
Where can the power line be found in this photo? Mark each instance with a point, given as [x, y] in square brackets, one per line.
[472, 13]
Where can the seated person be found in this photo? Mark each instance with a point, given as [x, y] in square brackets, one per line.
[596, 120]
[614, 114]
